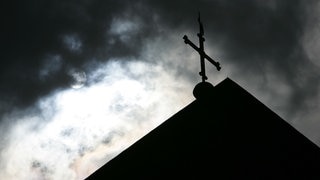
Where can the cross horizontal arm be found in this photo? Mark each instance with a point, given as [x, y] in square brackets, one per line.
[216, 64]
[187, 41]
[202, 53]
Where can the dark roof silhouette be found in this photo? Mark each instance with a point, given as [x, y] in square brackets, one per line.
[225, 134]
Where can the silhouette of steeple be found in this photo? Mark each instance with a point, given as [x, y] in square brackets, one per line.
[226, 133]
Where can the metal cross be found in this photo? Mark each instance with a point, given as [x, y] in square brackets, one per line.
[201, 52]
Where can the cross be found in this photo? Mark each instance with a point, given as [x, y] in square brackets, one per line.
[201, 52]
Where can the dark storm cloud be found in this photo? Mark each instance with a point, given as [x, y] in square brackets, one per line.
[256, 36]
[42, 40]
[245, 28]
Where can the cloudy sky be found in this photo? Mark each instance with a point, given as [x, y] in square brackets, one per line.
[83, 79]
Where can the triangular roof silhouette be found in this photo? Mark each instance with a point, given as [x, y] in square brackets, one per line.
[225, 134]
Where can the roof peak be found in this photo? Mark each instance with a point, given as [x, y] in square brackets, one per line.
[202, 90]
[205, 90]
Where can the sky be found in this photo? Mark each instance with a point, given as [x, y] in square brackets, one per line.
[81, 80]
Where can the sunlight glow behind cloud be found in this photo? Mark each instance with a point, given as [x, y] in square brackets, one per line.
[75, 131]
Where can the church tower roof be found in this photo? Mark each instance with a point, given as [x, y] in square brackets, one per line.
[225, 134]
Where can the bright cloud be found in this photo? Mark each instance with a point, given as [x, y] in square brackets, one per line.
[78, 130]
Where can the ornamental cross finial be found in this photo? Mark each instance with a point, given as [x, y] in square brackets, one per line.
[201, 52]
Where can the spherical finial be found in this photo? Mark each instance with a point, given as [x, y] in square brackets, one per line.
[203, 90]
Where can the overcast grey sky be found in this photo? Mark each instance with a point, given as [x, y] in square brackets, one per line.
[81, 80]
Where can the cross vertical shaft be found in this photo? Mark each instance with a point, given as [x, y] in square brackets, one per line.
[201, 48]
